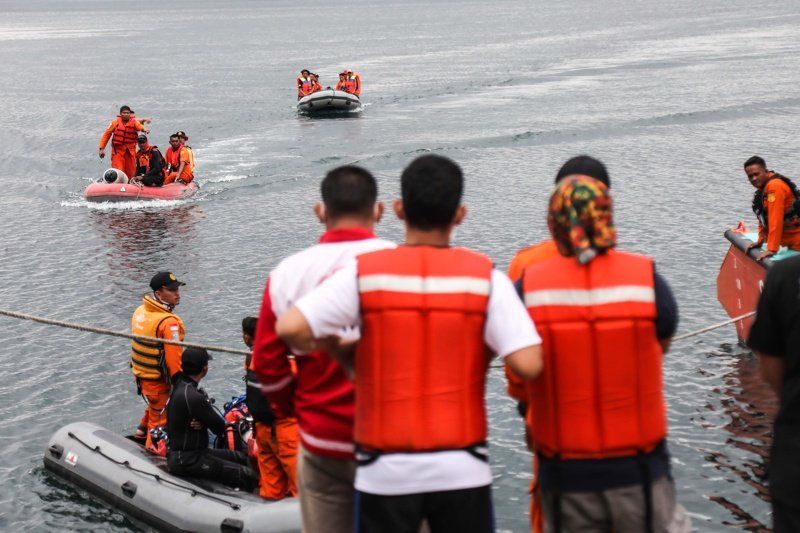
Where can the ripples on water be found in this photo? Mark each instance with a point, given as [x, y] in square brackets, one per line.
[672, 96]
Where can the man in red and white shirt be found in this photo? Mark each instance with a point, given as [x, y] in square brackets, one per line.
[320, 395]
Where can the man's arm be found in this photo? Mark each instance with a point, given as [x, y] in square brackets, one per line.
[170, 330]
[772, 370]
[105, 138]
[776, 197]
[200, 409]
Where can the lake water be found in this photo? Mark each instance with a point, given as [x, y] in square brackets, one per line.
[671, 95]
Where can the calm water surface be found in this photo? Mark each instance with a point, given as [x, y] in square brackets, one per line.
[672, 95]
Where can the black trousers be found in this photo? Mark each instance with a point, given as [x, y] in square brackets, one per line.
[223, 466]
[153, 181]
[451, 511]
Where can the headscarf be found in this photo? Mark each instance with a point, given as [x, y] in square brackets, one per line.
[580, 218]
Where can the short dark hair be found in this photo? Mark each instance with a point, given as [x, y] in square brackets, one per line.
[431, 188]
[349, 190]
[249, 325]
[174, 136]
[125, 108]
[587, 166]
[755, 160]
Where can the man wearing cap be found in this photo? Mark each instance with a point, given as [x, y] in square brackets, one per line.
[154, 364]
[184, 140]
[189, 418]
[149, 163]
[180, 163]
[122, 132]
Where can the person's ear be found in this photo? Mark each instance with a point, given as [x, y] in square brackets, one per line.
[461, 212]
[397, 207]
[319, 210]
[377, 211]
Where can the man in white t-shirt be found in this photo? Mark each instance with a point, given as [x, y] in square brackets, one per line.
[425, 314]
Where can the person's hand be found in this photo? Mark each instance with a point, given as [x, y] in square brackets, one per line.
[752, 245]
[147, 131]
[102, 153]
[764, 255]
[195, 424]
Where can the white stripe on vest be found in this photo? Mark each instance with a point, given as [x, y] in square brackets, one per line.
[424, 285]
[611, 295]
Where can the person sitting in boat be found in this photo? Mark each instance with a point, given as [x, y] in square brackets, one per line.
[776, 204]
[184, 140]
[190, 416]
[150, 166]
[307, 83]
[341, 85]
[180, 163]
[352, 83]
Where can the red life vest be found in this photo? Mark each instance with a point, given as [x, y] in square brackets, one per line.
[600, 394]
[125, 133]
[305, 86]
[421, 362]
[353, 84]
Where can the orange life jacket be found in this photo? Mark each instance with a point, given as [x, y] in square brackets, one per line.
[305, 86]
[125, 133]
[421, 362]
[173, 159]
[145, 157]
[600, 394]
[353, 84]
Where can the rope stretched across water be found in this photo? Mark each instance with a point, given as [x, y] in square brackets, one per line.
[90, 329]
[101, 331]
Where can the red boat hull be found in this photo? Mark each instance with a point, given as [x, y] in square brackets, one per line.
[740, 281]
[126, 192]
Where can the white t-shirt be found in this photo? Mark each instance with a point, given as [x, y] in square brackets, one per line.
[334, 306]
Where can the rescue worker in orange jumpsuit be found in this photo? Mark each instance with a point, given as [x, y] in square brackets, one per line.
[606, 318]
[180, 163]
[353, 83]
[582, 165]
[776, 204]
[277, 438]
[431, 317]
[155, 364]
[184, 139]
[150, 166]
[307, 83]
[122, 131]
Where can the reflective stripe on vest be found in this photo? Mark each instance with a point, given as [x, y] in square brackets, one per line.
[421, 362]
[147, 358]
[600, 394]
[125, 133]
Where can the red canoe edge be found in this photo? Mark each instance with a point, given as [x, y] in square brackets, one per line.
[127, 192]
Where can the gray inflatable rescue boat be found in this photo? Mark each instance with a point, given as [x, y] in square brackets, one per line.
[123, 474]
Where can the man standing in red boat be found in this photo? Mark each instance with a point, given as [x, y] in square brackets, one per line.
[775, 337]
[122, 131]
[776, 204]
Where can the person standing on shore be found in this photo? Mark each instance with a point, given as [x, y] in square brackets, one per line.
[320, 394]
[430, 318]
[775, 337]
[606, 317]
[123, 131]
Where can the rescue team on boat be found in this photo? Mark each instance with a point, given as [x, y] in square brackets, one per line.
[308, 83]
[146, 165]
[391, 342]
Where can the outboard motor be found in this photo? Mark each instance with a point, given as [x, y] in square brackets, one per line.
[113, 175]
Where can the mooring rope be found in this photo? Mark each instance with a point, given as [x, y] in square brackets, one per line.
[101, 331]
[90, 329]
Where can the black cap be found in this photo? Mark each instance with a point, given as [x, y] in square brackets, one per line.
[182, 135]
[194, 359]
[141, 137]
[165, 279]
[586, 166]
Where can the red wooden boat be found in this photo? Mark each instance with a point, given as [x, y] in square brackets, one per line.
[741, 277]
[101, 191]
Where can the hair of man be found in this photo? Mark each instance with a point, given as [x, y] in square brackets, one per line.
[431, 188]
[349, 190]
[249, 325]
[755, 160]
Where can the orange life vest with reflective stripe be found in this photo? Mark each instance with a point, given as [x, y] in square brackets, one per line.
[125, 132]
[305, 86]
[353, 84]
[147, 357]
[421, 362]
[600, 394]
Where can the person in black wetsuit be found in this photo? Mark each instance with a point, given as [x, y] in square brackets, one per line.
[149, 163]
[189, 418]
